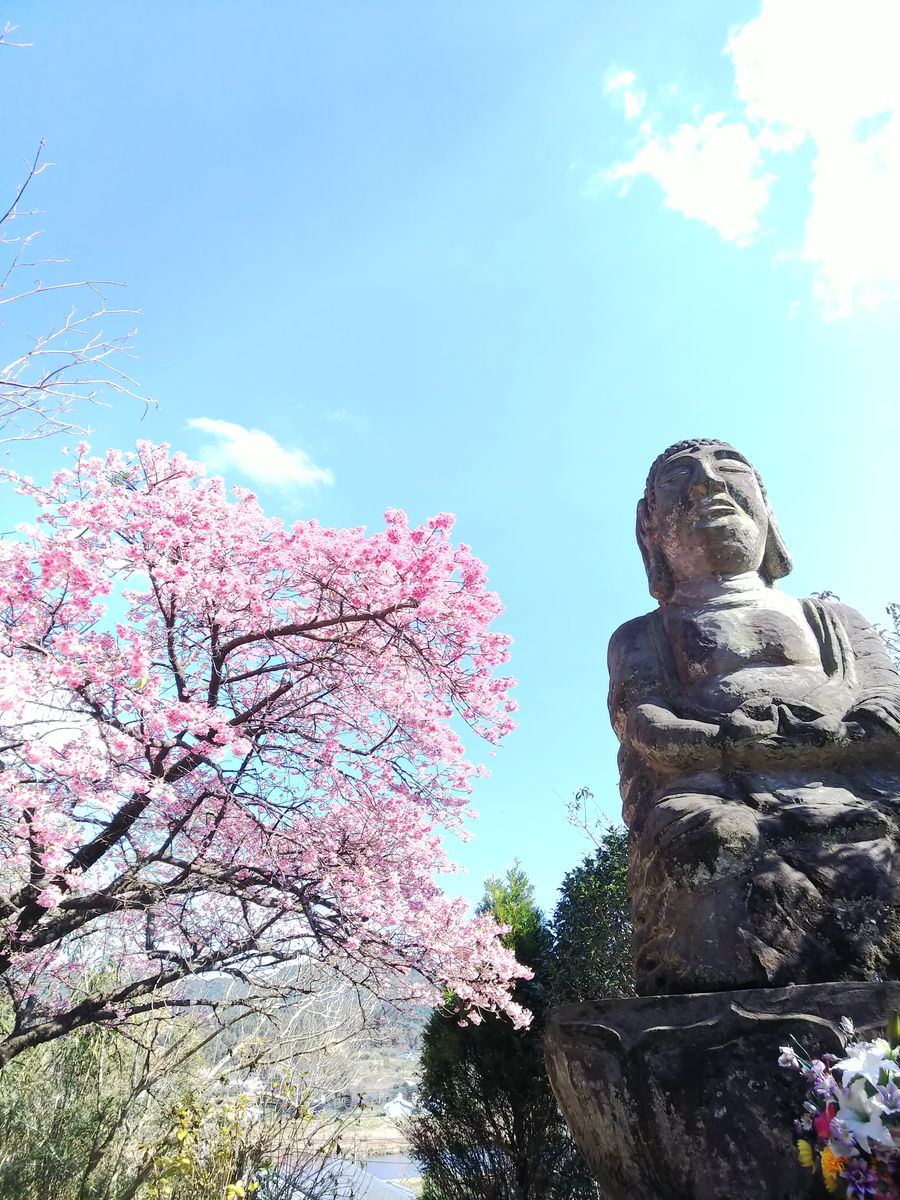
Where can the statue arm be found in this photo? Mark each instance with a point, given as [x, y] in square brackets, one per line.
[878, 701]
[641, 714]
[668, 741]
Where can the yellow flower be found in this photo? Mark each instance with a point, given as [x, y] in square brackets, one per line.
[805, 1154]
[831, 1168]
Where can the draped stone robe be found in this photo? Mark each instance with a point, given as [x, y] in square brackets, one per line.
[781, 863]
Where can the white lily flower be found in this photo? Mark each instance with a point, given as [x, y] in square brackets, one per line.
[868, 1060]
[860, 1116]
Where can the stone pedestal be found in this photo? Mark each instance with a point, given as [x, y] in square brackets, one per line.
[682, 1098]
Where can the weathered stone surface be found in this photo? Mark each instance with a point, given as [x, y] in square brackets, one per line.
[681, 1098]
[760, 752]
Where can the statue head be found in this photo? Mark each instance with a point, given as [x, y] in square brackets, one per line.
[705, 512]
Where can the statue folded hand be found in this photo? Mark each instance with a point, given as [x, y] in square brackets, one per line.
[670, 742]
[749, 724]
[881, 709]
[805, 727]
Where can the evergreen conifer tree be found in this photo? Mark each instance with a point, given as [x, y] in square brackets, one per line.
[592, 925]
[491, 1129]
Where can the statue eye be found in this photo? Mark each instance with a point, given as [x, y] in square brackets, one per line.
[674, 477]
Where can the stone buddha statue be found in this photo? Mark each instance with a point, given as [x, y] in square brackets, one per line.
[760, 751]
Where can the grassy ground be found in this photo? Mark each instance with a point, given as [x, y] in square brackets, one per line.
[375, 1135]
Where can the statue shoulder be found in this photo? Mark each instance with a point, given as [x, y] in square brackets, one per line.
[633, 640]
[635, 670]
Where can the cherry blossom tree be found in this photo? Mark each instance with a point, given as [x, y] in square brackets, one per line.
[226, 744]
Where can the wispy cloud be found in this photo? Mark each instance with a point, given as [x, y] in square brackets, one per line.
[807, 73]
[620, 85]
[710, 172]
[354, 420]
[258, 455]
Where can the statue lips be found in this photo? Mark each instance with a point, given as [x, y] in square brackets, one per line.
[708, 511]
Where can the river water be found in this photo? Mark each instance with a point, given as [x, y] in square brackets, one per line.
[393, 1166]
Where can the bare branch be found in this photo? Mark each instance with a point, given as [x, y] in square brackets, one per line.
[5, 33]
[73, 362]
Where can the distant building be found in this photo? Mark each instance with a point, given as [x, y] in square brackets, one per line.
[404, 1104]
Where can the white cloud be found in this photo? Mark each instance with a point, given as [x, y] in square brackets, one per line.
[853, 230]
[709, 172]
[826, 71]
[821, 74]
[620, 84]
[814, 68]
[258, 455]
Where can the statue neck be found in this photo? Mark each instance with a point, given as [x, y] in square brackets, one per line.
[722, 589]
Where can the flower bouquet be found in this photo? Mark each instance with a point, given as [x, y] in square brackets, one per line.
[850, 1129]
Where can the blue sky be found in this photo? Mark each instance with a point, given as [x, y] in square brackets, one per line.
[492, 259]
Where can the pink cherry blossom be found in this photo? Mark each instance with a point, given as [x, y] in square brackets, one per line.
[227, 742]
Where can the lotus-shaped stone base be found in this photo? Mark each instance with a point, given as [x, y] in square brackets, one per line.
[682, 1098]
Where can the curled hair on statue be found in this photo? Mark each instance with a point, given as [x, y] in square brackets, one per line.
[776, 560]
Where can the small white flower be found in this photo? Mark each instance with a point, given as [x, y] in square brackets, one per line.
[789, 1058]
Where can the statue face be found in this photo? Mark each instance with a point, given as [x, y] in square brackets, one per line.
[710, 517]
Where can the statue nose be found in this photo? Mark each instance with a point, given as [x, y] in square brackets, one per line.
[709, 484]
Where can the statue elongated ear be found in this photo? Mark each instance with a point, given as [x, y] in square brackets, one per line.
[659, 577]
[776, 561]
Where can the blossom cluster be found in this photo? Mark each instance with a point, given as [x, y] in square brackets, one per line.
[228, 741]
[850, 1129]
